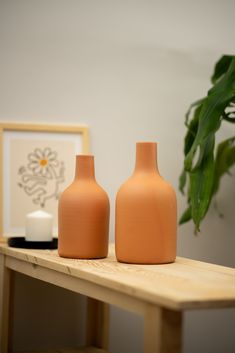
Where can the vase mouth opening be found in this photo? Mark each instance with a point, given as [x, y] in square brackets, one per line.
[146, 143]
[85, 156]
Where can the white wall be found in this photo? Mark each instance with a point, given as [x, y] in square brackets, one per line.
[129, 70]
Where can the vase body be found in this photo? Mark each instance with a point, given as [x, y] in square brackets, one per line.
[146, 213]
[83, 223]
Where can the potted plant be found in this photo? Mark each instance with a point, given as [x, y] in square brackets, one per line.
[206, 162]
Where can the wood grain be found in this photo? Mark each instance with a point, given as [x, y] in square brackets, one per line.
[185, 284]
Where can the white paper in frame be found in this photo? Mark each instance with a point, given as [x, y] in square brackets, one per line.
[37, 164]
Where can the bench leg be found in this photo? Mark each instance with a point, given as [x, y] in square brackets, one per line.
[6, 293]
[97, 325]
[162, 330]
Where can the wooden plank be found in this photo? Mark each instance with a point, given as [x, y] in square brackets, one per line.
[1, 185]
[97, 325]
[89, 349]
[185, 284]
[5, 296]
[152, 330]
[162, 330]
[172, 331]
[77, 285]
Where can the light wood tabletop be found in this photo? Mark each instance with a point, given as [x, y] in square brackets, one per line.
[159, 292]
[184, 284]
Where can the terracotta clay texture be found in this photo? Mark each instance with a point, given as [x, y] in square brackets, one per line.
[83, 215]
[146, 216]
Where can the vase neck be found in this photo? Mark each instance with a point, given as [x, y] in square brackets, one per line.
[146, 157]
[85, 167]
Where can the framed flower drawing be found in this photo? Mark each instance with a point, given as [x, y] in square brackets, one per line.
[37, 164]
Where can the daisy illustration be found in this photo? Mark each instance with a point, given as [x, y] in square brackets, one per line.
[41, 178]
[42, 162]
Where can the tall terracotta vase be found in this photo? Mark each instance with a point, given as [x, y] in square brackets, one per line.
[145, 227]
[83, 215]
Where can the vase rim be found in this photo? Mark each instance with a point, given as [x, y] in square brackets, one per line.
[146, 143]
[84, 156]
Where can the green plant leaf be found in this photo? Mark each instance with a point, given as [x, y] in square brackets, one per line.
[201, 182]
[186, 216]
[182, 181]
[224, 160]
[192, 106]
[221, 67]
[213, 107]
[229, 113]
[192, 130]
[228, 118]
[202, 173]
[189, 138]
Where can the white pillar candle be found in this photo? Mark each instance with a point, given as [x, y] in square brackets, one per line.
[38, 226]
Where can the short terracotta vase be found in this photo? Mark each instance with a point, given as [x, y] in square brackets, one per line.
[146, 213]
[83, 215]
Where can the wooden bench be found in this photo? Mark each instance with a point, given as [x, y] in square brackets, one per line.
[161, 293]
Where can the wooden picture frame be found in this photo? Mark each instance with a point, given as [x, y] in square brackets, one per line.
[21, 147]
